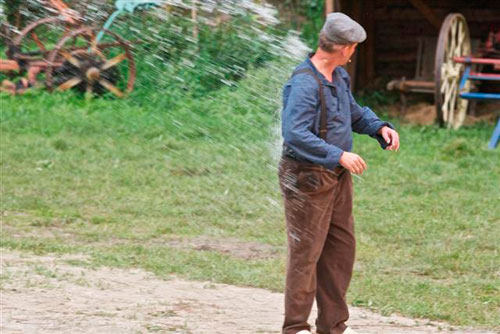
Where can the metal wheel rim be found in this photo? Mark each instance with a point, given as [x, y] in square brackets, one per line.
[18, 41]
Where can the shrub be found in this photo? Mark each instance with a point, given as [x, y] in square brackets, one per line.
[220, 55]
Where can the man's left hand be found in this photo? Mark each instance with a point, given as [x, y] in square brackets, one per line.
[391, 137]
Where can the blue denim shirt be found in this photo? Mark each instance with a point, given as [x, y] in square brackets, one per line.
[301, 121]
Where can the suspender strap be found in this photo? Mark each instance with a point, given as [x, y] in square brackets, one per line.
[322, 131]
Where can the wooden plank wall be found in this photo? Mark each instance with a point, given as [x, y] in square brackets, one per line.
[394, 26]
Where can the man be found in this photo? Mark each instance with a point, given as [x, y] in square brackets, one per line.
[318, 117]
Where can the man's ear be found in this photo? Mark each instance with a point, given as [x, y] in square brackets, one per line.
[344, 50]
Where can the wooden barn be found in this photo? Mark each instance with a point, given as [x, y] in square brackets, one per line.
[402, 34]
[444, 49]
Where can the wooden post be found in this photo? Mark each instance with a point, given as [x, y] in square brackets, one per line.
[332, 6]
[194, 17]
[370, 41]
[329, 7]
[351, 67]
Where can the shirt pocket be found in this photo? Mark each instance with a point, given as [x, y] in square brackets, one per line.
[332, 104]
[345, 106]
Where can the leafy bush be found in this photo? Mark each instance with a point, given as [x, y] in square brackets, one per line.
[313, 10]
[305, 16]
[220, 55]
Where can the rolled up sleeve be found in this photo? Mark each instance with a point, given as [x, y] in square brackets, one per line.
[298, 116]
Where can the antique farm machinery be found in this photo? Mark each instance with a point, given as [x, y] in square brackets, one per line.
[457, 72]
[453, 70]
[70, 54]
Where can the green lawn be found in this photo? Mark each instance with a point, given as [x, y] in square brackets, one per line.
[114, 178]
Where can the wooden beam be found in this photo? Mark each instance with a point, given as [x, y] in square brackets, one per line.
[329, 6]
[352, 67]
[427, 12]
[332, 6]
[411, 85]
[194, 17]
[370, 41]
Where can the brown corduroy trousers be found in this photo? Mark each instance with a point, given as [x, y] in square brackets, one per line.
[321, 245]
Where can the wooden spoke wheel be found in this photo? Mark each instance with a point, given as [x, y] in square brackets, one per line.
[92, 67]
[453, 41]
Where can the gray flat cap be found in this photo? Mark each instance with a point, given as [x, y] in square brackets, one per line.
[341, 29]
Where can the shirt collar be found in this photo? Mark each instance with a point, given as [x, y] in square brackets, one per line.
[337, 71]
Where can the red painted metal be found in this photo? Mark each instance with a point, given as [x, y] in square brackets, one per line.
[485, 75]
[41, 57]
[471, 60]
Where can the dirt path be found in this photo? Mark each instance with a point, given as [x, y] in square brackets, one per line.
[45, 294]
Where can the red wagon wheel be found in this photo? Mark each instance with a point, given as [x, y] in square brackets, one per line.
[36, 41]
[453, 41]
[90, 66]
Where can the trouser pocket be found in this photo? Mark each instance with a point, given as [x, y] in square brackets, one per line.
[309, 181]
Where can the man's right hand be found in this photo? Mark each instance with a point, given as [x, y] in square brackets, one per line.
[352, 162]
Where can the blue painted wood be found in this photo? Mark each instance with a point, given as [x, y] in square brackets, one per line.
[480, 96]
[465, 76]
[475, 77]
[495, 137]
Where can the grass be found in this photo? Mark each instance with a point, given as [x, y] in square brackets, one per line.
[110, 178]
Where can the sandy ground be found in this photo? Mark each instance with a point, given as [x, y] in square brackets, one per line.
[45, 294]
[425, 114]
